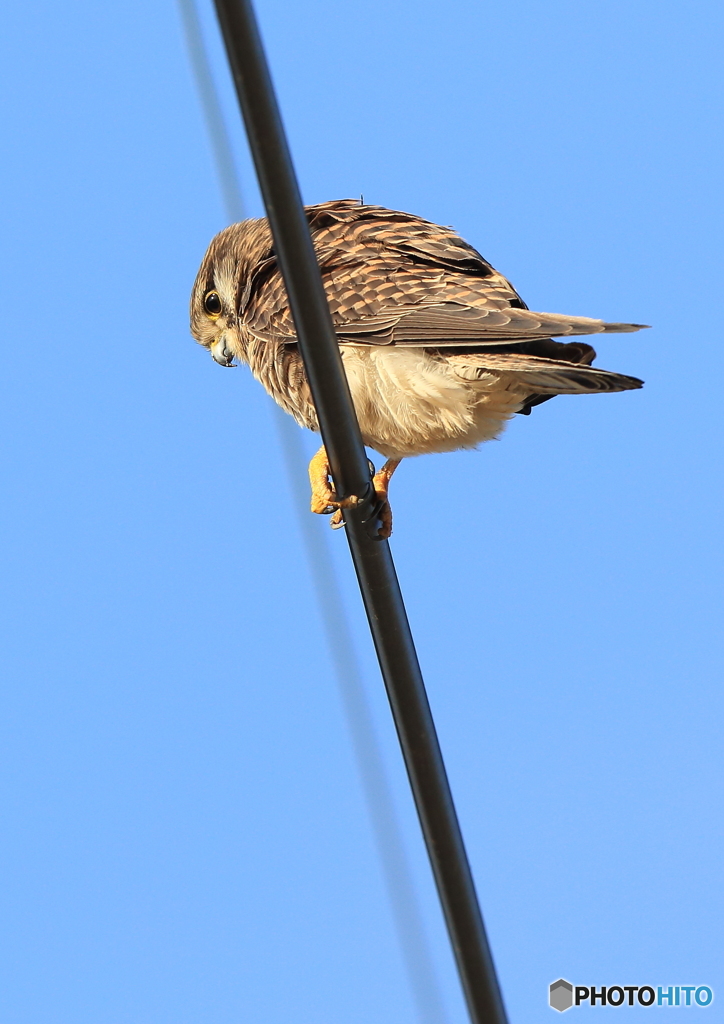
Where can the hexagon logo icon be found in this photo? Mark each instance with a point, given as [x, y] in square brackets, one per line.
[560, 995]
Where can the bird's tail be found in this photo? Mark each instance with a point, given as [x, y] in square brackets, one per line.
[544, 376]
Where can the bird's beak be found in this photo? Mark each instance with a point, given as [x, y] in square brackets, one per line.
[222, 355]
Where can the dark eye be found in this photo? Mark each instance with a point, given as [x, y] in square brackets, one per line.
[212, 304]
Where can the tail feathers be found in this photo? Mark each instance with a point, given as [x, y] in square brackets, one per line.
[544, 376]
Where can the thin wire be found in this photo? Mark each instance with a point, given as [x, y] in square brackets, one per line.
[396, 870]
[211, 107]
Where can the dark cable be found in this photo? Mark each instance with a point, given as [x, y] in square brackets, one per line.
[350, 471]
[386, 828]
[381, 808]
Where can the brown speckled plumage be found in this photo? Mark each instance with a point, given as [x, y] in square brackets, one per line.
[439, 349]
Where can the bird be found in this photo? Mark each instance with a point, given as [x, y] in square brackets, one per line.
[439, 349]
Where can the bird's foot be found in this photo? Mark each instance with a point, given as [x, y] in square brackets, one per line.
[324, 497]
[325, 500]
[381, 483]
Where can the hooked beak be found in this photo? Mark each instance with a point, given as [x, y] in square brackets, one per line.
[222, 355]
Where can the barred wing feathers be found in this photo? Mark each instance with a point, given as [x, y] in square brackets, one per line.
[395, 279]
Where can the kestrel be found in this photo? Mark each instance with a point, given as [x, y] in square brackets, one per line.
[438, 347]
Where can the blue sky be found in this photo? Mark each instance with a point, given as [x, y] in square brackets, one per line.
[185, 837]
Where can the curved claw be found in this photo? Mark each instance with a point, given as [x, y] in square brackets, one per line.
[325, 501]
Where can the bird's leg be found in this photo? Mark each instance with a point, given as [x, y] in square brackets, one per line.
[324, 499]
[381, 481]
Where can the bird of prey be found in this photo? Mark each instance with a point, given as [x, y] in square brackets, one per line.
[438, 347]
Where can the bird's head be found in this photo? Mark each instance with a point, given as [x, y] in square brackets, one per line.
[218, 293]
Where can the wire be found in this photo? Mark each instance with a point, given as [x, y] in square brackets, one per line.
[386, 828]
[350, 471]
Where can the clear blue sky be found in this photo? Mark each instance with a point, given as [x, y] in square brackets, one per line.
[184, 835]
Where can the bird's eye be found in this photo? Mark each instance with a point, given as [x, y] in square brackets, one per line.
[212, 304]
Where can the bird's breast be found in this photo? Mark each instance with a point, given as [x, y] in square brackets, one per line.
[412, 402]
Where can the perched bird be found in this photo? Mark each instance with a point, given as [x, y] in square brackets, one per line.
[438, 347]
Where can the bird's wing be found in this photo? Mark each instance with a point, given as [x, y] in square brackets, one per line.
[395, 279]
[455, 324]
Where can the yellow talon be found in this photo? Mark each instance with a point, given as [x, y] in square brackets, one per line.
[324, 498]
